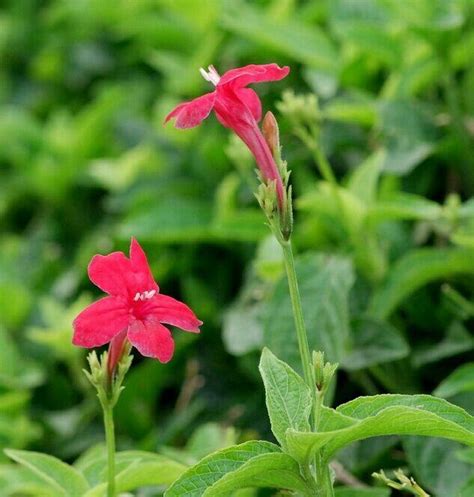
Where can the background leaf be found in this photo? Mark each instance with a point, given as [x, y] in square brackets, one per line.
[61, 479]
[324, 285]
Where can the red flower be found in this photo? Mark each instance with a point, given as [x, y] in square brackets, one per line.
[238, 108]
[134, 309]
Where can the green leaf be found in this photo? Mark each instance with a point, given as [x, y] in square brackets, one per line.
[409, 133]
[275, 470]
[62, 479]
[242, 329]
[18, 480]
[164, 223]
[460, 380]
[407, 206]
[352, 110]
[468, 489]
[416, 269]
[306, 43]
[195, 481]
[288, 398]
[91, 463]
[435, 465]
[457, 340]
[361, 492]
[365, 456]
[208, 438]
[324, 283]
[374, 342]
[137, 469]
[363, 181]
[466, 455]
[379, 415]
[15, 372]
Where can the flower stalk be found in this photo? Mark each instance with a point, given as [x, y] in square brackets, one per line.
[109, 387]
[317, 374]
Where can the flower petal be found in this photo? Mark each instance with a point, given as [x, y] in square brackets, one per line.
[251, 100]
[253, 73]
[171, 311]
[144, 280]
[100, 322]
[110, 272]
[190, 114]
[152, 339]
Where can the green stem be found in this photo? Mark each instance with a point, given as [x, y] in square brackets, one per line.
[110, 442]
[318, 405]
[310, 140]
[324, 166]
[298, 314]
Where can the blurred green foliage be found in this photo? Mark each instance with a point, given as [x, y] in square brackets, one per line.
[386, 262]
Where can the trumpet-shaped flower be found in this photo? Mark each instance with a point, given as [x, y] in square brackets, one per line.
[238, 108]
[134, 309]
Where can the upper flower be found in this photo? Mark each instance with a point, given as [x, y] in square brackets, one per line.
[134, 309]
[238, 108]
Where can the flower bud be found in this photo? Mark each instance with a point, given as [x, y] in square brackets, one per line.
[271, 133]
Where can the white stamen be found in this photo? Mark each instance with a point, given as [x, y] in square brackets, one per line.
[146, 295]
[211, 75]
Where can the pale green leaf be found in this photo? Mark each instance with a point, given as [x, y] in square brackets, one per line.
[407, 206]
[62, 479]
[18, 480]
[379, 415]
[137, 469]
[363, 181]
[352, 110]
[275, 470]
[195, 481]
[288, 398]
[242, 328]
[208, 438]
[163, 222]
[303, 42]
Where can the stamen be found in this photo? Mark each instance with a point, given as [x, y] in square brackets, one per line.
[146, 295]
[211, 75]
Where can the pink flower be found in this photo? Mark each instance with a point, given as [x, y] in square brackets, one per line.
[134, 309]
[238, 108]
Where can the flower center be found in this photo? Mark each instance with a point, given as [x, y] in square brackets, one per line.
[211, 75]
[147, 295]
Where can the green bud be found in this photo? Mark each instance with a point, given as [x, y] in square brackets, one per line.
[323, 372]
